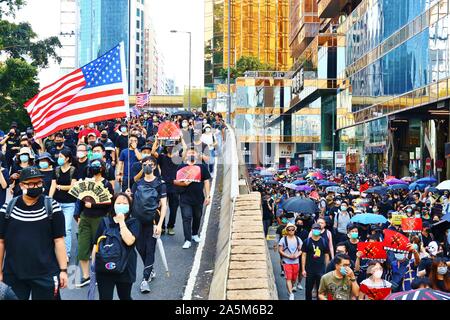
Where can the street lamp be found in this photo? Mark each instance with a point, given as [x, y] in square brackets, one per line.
[190, 42]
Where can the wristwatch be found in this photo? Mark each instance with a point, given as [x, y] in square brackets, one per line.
[353, 280]
[63, 270]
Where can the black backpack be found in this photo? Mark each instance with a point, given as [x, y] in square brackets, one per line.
[47, 202]
[286, 246]
[112, 254]
[146, 202]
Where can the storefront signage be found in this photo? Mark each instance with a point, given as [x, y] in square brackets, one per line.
[286, 150]
[340, 160]
[308, 161]
[375, 149]
[324, 155]
[418, 153]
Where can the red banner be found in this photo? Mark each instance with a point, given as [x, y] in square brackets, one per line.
[412, 224]
[190, 173]
[375, 293]
[395, 241]
[168, 131]
[372, 250]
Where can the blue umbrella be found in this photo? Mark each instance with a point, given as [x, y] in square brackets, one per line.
[303, 188]
[300, 205]
[266, 173]
[328, 184]
[300, 182]
[415, 185]
[290, 186]
[377, 190]
[368, 218]
[427, 180]
[320, 181]
[398, 187]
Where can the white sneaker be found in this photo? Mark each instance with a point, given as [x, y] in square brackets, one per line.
[145, 288]
[187, 245]
[291, 296]
[196, 238]
[299, 286]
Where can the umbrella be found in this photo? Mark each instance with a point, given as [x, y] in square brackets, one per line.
[273, 170]
[92, 286]
[319, 182]
[183, 113]
[317, 175]
[265, 173]
[368, 218]
[427, 180]
[259, 168]
[398, 187]
[328, 184]
[335, 189]
[395, 181]
[377, 190]
[163, 255]
[407, 179]
[444, 185]
[271, 182]
[433, 189]
[300, 182]
[419, 294]
[290, 186]
[415, 185]
[303, 188]
[438, 229]
[294, 169]
[300, 205]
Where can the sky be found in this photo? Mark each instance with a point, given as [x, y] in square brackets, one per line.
[183, 15]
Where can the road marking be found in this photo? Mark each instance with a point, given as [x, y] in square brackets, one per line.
[271, 237]
[198, 254]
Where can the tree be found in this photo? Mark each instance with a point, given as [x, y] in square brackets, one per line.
[24, 58]
[244, 64]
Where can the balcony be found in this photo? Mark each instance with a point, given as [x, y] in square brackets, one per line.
[333, 8]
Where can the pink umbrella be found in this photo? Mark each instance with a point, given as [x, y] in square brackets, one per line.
[318, 175]
[407, 179]
[293, 169]
[395, 181]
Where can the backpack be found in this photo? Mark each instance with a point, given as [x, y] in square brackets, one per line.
[112, 254]
[146, 202]
[47, 202]
[286, 246]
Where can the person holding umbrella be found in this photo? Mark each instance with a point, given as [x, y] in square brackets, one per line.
[120, 221]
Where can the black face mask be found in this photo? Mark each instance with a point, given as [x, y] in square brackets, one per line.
[148, 169]
[104, 136]
[59, 144]
[92, 143]
[35, 192]
[191, 158]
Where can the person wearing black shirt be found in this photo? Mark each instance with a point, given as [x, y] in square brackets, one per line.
[45, 164]
[81, 162]
[99, 153]
[315, 257]
[24, 159]
[267, 207]
[137, 172]
[4, 180]
[121, 142]
[64, 178]
[59, 146]
[12, 142]
[194, 196]
[128, 228]
[352, 243]
[32, 252]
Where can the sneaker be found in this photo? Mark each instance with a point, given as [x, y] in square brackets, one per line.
[196, 238]
[171, 232]
[282, 274]
[294, 289]
[291, 296]
[163, 231]
[299, 286]
[84, 282]
[145, 288]
[152, 276]
[187, 245]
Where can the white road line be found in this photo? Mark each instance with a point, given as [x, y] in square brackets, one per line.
[198, 254]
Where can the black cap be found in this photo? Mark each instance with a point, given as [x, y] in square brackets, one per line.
[316, 226]
[30, 173]
[45, 155]
[13, 124]
[146, 147]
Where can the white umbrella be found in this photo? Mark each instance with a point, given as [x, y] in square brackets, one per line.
[444, 185]
[163, 255]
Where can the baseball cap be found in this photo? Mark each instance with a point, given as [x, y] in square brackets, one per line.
[146, 147]
[30, 173]
[316, 226]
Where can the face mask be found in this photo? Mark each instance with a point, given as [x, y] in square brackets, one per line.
[343, 208]
[408, 210]
[377, 274]
[97, 156]
[148, 169]
[43, 165]
[58, 144]
[60, 161]
[24, 158]
[442, 270]
[399, 256]
[191, 158]
[34, 192]
[121, 208]
[91, 125]
[104, 136]
[375, 210]
[205, 121]
[184, 124]
[284, 221]
[207, 130]
[415, 246]
[81, 154]
[316, 232]
[354, 235]
[343, 271]
[417, 216]
[123, 129]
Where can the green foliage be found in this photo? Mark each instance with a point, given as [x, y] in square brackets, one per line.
[11, 6]
[245, 64]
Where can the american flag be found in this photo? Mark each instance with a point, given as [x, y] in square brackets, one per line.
[142, 99]
[95, 92]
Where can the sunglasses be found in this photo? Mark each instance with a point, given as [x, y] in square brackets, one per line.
[290, 229]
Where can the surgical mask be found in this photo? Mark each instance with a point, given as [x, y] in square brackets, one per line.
[121, 208]
[208, 130]
[43, 165]
[205, 121]
[344, 208]
[24, 158]
[60, 161]
[343, 271]
[399, 256]
[442, 270]
[155, 119]
[91, 125]
[375, 210]
[184, 124]
[415, 246]
[81, 154]
[148, 169]
[377, 274]
[418, 215]
[97, 156]
[284, 221]
[123, 129]
[33, 192]
[408, 210]
[354, 235]
[316, 232]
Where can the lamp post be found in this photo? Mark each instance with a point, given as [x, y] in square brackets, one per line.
[190, 53]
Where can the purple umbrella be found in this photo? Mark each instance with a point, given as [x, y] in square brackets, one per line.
[303, 188]
[395, 181]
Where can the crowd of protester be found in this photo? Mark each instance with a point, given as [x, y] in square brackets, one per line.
[321, 246]
[137, 168]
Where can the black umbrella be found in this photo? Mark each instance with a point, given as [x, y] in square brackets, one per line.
[378, 190]
[183, 113]
[420, 294]
[438, 229]
[300, 205]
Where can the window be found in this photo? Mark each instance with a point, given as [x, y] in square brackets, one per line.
[137, 24]
[138, 49]
[137, 36]
[138, 12]
[137, 60]
[137, 71]
[137, 84]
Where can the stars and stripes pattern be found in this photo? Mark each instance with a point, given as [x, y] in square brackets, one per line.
[142, 99]
[95, 92]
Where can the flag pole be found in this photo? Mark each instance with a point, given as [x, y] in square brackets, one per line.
[128, 164]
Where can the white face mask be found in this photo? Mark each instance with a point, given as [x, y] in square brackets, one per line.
[184, 124]
[207, 130]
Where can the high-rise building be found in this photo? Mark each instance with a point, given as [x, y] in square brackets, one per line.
[67, 36]
[103, 24]
[259, 28]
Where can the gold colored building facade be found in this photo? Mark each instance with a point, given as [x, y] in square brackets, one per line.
[259, 28]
